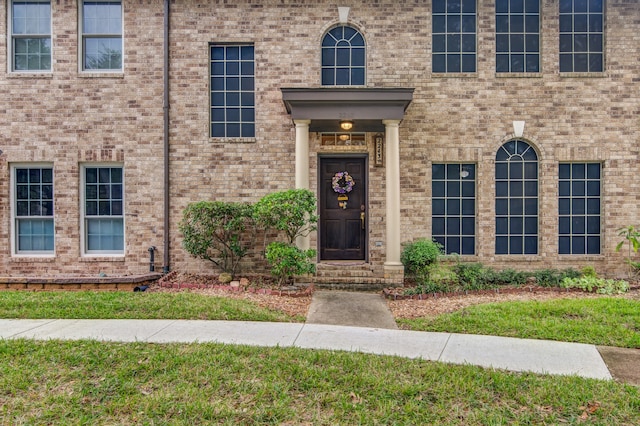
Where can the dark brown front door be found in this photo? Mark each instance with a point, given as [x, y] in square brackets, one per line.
[343, 222]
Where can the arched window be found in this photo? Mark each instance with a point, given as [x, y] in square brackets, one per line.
[343, 57]
[516, 199]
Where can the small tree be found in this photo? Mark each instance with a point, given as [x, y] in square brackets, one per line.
[292, 211]
[632, 236]
[213, 231]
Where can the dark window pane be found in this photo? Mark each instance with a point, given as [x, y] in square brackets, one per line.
[564, 245]
[502, 24]
[502, 6]
[578, 171]
[530, 245]
[516, 206]
[453, 207]
[578, 188]
[578, 206]
[593, 245]
[516, 23]
[453, 189]
[516, 225]
[453, 63]
[437, 171]
[517, 63]
[438, 226]
[566, 43]
[438, 189]
[564, 171]
[564, 226]
[515, 188]
[595, 63]
[502, 226]
[502, 63]
[453, 226]
[502, 43]
[454, 43]
[566, 63]
[593, 206]
[517, 6]
[468, 245]
[502, 189]
[468, 189]
[439, 24]
[564, 206]
[453, 245]
[578, 225]
[502, 206]
[468, 63]
[439, 44]
[502, 171]
[593, 171]
[468, 207]
[532, 43]
[593, 225]
[502, 245]
[468, 226]
[531, 226]
[578, 245]
[515, 245]
[437, 206]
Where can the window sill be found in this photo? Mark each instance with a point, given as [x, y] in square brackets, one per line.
[30, 74]
[102, 258]
[232, 140]
[105, 74]
[454, 75]
[32, 258]
[583, 74]
[518, 75]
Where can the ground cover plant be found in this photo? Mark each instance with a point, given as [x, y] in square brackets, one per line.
[605, 321]
[129, 305]
[88, 382]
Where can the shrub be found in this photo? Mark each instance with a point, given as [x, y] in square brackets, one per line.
[287, 260]
[631, 235]
[213, 231]
[292, 211]
[554, 277]
[419, 256]
[599, 285]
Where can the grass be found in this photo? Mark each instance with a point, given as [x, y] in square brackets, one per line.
[129, 305]
[602, 321]
[88, 382]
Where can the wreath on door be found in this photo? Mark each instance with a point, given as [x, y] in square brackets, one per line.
[342, 182]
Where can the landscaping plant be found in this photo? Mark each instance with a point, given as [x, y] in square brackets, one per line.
[215, 231]
[287, 261]
[631, 236]
[292, 211]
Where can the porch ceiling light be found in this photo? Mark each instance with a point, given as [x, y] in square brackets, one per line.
[346, 124]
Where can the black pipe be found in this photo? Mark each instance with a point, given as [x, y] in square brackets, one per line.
[152, 251]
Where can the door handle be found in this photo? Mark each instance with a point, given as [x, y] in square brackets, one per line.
[362, 216]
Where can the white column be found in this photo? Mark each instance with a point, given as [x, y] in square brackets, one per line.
[392, 171]
[302, 166]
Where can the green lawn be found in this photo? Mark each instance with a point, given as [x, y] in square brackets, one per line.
[603, 321]
[88, 382]
[130, 305]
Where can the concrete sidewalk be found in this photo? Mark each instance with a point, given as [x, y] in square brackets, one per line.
[538, 356]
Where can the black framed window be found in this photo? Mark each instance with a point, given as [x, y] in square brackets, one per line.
[579, 208]
[453, 207]
[453, 38]
[343, 57]
[517, 35]
[516, 200]
[233, 112]
[581, 35]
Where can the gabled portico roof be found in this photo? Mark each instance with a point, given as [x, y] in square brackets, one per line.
[366, 107]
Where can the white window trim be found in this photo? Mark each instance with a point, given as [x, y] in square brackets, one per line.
[83, 219]
[12, 197]
[81, 68]
[10, 44]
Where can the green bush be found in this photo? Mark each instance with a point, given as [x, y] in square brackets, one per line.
[599, 285]
[287, 261]
[213, 231]
[292, 211]
[419, 256]
[554, 277]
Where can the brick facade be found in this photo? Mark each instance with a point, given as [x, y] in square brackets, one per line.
[68, 118]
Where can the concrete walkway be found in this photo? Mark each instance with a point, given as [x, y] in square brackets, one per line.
[538, 356]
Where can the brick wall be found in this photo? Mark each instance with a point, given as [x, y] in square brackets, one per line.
[72, 119]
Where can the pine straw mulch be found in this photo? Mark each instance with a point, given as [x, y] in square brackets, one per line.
[296, 301]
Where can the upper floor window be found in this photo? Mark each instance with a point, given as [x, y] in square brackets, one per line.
[579, 208]
[517, 35]
[453, 206]
[232, 91]
[30, 35]
[516, 199]
[33, 210]
[581, 35]
[454, 36]
[101, 35]
[103, 211]
[343, 57]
